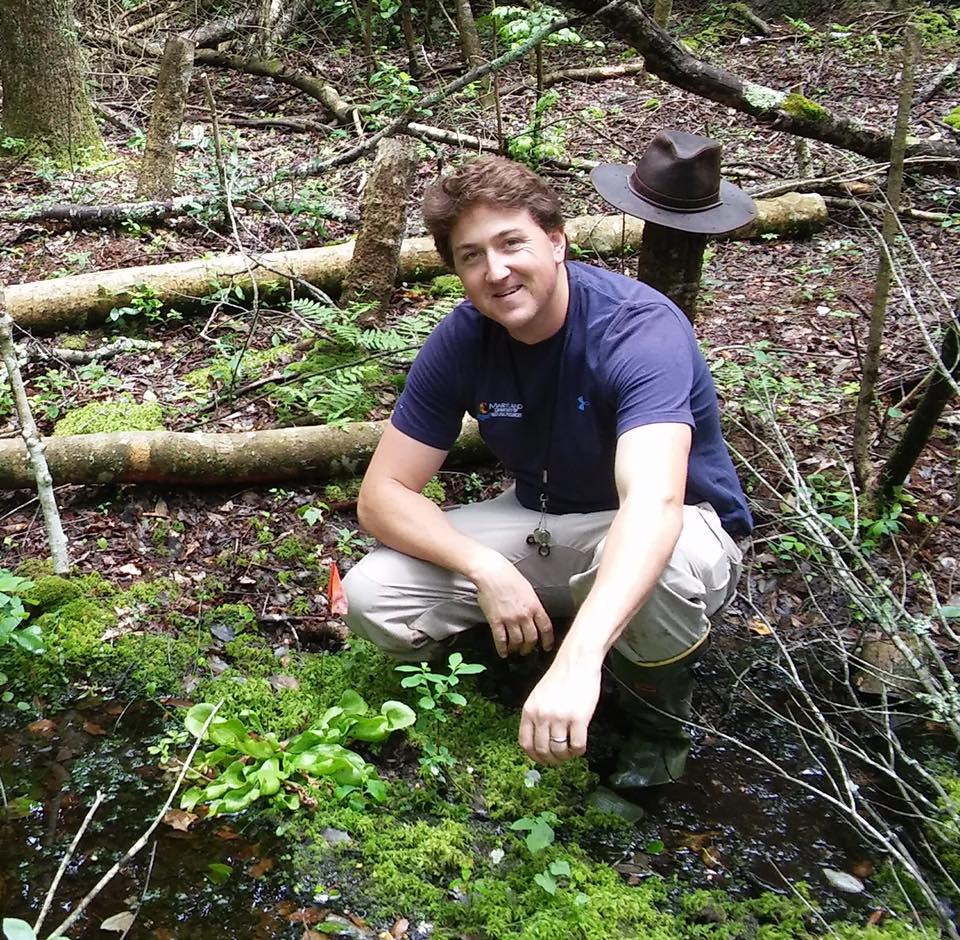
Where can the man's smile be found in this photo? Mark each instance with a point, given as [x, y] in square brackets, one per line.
[508, 292]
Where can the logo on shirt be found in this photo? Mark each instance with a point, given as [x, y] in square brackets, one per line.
[582, 403]
[499, 409]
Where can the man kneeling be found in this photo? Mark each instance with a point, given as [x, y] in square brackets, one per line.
[590, 388]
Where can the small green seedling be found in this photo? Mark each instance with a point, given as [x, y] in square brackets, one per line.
[437, 689]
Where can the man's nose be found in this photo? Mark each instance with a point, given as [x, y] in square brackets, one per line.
[497, 268]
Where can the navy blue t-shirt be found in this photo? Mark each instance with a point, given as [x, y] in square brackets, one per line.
[625, 357]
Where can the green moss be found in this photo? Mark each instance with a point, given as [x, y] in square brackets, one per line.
[292, 548]
[74, 341]
[237, 617]
[799, 106]
[50, 592]
[446, 285]
[952, 118]
[435, 491]
[121, 415]
[343, 490]
[252, 366]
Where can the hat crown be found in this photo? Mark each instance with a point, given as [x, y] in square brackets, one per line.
[679, 171]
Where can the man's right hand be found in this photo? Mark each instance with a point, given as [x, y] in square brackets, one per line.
[511, 607]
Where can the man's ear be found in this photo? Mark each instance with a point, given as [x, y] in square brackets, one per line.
[559, 239]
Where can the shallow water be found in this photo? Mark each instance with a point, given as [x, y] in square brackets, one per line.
[730, 824]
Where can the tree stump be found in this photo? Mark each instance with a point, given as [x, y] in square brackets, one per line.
[672, 262]
[383, 220]
[163, 133]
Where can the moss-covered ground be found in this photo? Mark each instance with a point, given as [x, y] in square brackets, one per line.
[440, 849]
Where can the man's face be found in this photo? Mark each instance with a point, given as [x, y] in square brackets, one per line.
[512, 270]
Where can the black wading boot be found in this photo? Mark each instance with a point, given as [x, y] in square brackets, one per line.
[656, 700]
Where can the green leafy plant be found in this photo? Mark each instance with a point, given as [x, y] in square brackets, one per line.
[247, 765]
[13, 632]
[144, 302]
[436, 689]
[16, 929]
[540, 835]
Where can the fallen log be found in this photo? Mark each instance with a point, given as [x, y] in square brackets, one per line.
[793, 113]
[86, 299]
[198, 459]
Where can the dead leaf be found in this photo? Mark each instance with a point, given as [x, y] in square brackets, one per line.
[91, 727]
[119, 923]
[843, 881]
[862, 869]
[698, 841]
[284, 682]
[710, 858]
[43, 726]
[877, 917]
[227, 833]
[759, 627]
[336, 599]
[399, 928]
[130, 569]
[177, 702]
[179, 819]
[307, 915]
[260, 868]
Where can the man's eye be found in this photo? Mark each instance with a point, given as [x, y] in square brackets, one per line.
[468, 257]
[514, 242]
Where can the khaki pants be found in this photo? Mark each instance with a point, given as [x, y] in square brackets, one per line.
[411, 608]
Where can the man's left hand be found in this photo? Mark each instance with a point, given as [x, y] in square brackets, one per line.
[553, 725]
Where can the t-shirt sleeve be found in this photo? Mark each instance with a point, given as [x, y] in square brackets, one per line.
[431, 407]
[650, 367]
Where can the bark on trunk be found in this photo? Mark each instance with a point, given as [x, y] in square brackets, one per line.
[938, 392]
[35, 460]
[42, 71]
[792, 113]
[409, 38]
[163, 133]
[469, 40]
[82, 299]
[303, 453]
[672, 262]
[372, 271]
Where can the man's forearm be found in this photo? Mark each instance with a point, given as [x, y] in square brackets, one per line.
[639, 544]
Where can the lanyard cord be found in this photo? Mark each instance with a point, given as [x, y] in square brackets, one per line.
[540, 536]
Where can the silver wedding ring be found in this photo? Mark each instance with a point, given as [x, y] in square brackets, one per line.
[559, 740]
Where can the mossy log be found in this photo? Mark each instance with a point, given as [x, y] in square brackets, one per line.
[84, 299]
[199, 459]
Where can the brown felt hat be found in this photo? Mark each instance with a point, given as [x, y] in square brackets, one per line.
[676, 183]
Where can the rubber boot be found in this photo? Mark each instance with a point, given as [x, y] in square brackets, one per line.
[656, 699]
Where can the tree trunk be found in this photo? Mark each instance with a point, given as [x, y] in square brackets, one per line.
[86, 299]
[163, 134]
[469, 40]
[409, 38]
[35, 459]
[939, 391]
[672, 262]
[661, 12]
[45, 100]
[303, 453]
[870, 367]
[383, 220]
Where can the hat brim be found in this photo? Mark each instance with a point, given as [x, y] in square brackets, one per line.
[736, 208]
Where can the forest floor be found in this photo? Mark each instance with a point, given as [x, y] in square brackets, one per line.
[234, 580]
